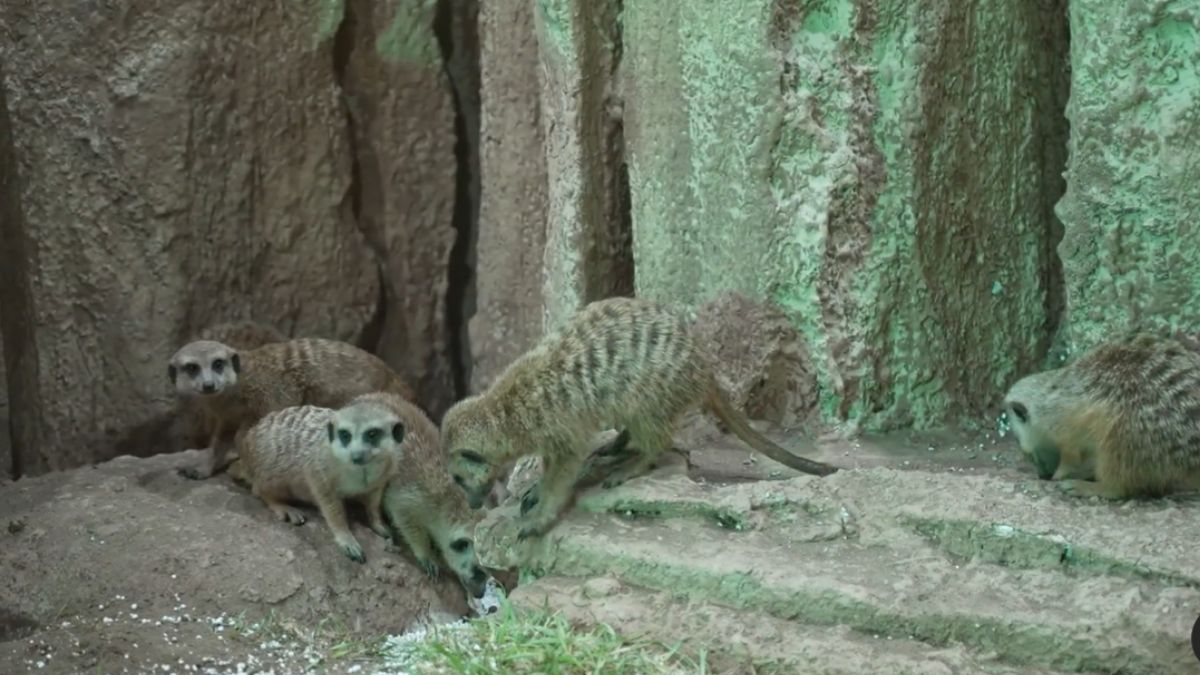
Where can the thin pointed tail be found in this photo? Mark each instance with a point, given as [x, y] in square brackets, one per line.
[740, 426]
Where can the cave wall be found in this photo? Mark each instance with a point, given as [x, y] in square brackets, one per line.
[883, 172]
[1131, 248]
[193, 162]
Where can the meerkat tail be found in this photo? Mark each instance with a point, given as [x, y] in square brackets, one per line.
[740, 426]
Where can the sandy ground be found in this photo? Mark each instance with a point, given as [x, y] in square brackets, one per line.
[933, 554]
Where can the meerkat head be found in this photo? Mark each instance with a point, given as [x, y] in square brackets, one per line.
[1033, 406]
[458, 550]
[204, 368]
[468, 444]
[360, 433]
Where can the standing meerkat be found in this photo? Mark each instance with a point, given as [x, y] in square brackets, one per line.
[241, 335]
[237, 388]
[321, 456]
[619, 363]
[1125, 414]
[427, 511]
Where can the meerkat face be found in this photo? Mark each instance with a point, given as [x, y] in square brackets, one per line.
[1024, 406]
[204, 368]
[360, 434]
[474, 474]
[459, 553]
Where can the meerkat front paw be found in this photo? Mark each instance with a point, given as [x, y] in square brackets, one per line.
[382, 530]
[1087, 488]
[353, 550]
[429, 567]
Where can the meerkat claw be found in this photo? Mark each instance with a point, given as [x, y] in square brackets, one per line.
[429, 567]
[354, 552]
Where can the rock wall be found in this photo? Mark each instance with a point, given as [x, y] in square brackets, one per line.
[10, 232]
[873, 168]
[1131, 248]
[197, 162]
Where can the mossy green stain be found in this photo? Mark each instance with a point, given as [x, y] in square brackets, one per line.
[329, 15]
[409, 36]
[556, 18]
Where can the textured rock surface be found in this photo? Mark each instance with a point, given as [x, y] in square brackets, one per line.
[1132, 243]
[588, 246]
[760, 358]
[1009, 574]
[196, 165]
[511, 237]
[402, 116]
[130, 554]
[873, 167]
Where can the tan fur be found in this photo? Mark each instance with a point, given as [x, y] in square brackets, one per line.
[250, 384]
[241, 335]
[428, 512]
[1121, 421]
[620, 362]
[320, 456]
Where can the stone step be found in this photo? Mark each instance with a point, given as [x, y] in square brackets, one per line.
[1017, 571]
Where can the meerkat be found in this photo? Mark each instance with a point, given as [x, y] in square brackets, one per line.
[321, 456]
[241, 335]
[1122, 420]
[619, 363]
[428, 512]
[237, 388]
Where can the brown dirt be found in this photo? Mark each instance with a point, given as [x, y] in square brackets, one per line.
[126, 567]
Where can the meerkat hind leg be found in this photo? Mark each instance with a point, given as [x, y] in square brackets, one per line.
[553, 491]
[277, 502]
[649, 441]
[1087, 488]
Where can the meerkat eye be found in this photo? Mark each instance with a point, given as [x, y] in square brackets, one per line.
[460, 545]
[218, 365]
[345, 436]
[192, 369]
[372, 436]
[458, 479]
[472, 456]
[1020, 411]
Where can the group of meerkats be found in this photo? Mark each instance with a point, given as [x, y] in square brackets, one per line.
[320, 421]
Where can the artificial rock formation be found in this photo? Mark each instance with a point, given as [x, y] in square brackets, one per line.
[202, 164]
[871, 167]
[1131, 246]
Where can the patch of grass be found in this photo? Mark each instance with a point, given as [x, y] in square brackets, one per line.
[535, 642]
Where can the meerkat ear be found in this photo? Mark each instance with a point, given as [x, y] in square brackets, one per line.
[472, 456]
[398, 432]
[236, 361]
[172, 372]
[329, 427]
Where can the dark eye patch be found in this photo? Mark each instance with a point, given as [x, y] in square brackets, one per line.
[372, 436]
[192, 369]
[1020, 411]
[218, 365]
[458, 479]
[345, 436]
[472, 456]
[460, 545]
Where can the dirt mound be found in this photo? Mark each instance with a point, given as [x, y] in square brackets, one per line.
[126, 565]
[923, 571]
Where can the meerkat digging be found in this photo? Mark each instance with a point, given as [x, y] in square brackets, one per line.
[428, 512]
[322, 456]
[1123, 420]
[619, 363]
[237, 388]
